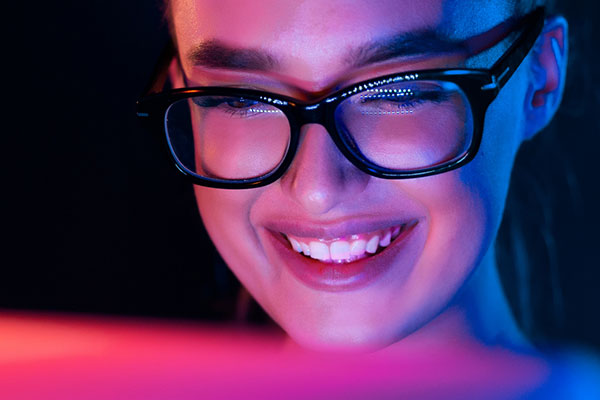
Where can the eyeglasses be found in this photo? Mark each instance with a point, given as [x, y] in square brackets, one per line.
[406, 125]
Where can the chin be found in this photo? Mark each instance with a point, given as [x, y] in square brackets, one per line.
[352, 337]
[347, 341]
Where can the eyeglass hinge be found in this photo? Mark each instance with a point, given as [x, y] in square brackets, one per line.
[495, 81]
[491, 86]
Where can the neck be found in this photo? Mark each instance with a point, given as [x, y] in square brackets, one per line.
[479, 315]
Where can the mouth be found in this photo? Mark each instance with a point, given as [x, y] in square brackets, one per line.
[341, 262]
[347, 249]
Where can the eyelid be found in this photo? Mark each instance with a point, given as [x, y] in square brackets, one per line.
[251, 81]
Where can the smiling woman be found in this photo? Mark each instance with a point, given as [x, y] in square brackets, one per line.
[352, 158]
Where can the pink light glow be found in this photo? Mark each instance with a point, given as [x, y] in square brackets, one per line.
[67, 357]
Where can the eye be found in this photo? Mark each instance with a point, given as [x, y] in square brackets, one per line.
[233, 102]
[241, 103]
[402, 97]
[232, 106]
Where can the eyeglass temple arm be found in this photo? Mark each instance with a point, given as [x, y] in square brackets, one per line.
[506, 66]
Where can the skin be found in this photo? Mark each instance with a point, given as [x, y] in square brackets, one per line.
[448, 288]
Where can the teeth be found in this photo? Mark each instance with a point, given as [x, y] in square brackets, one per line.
[358, 247]
[295, 245]
[319, 251]
[352, 248]
[305, 249]
[340, 250]
[372, 244]
[387, 238]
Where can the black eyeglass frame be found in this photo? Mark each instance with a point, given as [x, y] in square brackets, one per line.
[481, 87]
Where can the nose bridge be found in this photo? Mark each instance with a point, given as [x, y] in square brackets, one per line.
[312, 114]
[317, 114]
[317, 146]
[320, 177]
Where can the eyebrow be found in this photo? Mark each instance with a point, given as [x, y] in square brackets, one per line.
[216, 54]
[406, 44]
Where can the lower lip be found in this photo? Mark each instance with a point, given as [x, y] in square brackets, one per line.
[336, 277]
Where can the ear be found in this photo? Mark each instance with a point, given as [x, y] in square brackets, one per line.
[547, 72]
[176, 74]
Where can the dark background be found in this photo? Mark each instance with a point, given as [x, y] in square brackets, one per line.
[96, 219]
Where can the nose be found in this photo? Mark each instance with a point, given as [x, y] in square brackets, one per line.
[320, 177]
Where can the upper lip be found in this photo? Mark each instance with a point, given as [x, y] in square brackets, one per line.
[334, 229]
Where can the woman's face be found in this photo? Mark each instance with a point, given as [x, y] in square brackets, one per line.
[326, 205]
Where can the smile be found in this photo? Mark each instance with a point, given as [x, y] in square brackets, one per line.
[346, 256]
[347, 249]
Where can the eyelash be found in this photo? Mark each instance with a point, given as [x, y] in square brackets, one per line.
[411, 101]
[224, 104]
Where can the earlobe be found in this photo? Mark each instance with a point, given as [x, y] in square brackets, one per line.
[547, 71]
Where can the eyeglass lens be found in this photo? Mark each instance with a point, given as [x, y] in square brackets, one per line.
[227, 137]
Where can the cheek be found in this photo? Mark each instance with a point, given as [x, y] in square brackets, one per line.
[461, 227]
[256, 144]
[465, 209]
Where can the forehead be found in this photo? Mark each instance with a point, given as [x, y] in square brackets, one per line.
[241, 19]
[260, 21]
[312, 37]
